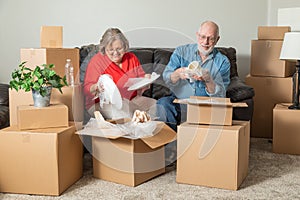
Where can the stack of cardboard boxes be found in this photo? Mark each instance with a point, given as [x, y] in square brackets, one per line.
[40, 152]
[270, 77]
[51, 52]
[212, 150]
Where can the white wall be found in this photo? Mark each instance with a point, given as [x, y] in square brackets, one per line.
[154, 23]
[274, 5]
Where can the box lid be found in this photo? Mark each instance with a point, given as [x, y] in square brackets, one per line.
[56, 130]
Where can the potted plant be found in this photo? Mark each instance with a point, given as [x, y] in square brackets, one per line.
[39, 80]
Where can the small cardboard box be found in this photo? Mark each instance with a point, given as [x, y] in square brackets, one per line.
[272, 32]
[56, 56]
[265, 59]
[286, 126]
[213, 156]
[71, 97]
[40, 161]
[269, 91]
[209, 110]
[130, 161]
[51, 37]
[30, 117]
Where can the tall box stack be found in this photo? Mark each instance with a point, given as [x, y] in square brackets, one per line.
[212, 150]
[51, 52]
[270, 77]
[40, 152]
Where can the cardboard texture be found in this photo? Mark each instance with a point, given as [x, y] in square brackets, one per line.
[130, 161]
[208, 110]
[51, 37]
[269, 91]
[56, 56]
[71, 97]
[286, 126]
[213, 156]
[272, 32]
[30, 117]
[265, 59]
[41, 161]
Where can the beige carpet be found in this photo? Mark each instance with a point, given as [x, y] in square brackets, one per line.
[271, 176]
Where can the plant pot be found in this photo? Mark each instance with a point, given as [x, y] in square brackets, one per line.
[39, 100]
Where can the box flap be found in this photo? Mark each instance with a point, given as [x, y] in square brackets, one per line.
[164, 135]
[210, 101]
[110, 133]
[56, 130]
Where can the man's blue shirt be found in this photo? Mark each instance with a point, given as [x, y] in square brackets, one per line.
[217, 64]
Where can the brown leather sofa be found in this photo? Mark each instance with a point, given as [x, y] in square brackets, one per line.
[156, 59]
[4, 108]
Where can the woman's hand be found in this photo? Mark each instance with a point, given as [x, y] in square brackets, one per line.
[95, 90]
[147, 76]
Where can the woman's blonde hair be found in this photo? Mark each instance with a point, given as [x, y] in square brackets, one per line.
[111, 35]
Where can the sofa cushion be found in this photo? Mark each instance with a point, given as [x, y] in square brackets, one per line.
[86, 53]
[238, 90]
[145, 56]
[230, 52]
[161, 59]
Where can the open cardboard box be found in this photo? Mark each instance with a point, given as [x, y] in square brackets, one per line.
[209, 110]
[129, 161]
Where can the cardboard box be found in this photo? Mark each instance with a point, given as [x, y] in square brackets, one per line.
[127, 160]
[71, 97]
[213, 156]
[51, 37]
[272, 32]
[209, 110]
[41, 161]
[30, 117]
[286, 126]
[269, 91]
[265, 59]
[56, 56]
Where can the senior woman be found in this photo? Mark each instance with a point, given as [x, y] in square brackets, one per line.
[120, 65]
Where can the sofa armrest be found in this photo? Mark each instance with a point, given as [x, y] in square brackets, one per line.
[4, 116]
[238, 90]
[4, 94]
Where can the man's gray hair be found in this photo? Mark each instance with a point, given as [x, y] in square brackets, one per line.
[111, 35]
[212, 23]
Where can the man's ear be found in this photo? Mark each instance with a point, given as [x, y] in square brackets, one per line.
[217, 39]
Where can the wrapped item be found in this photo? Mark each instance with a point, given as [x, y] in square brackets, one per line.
[128, 129]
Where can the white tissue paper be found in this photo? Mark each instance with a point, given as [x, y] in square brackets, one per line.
[99, 127]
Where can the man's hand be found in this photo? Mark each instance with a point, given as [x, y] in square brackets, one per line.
[179, 73]
[205, 77]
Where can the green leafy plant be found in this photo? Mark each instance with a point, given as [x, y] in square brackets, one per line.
[38, 78]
